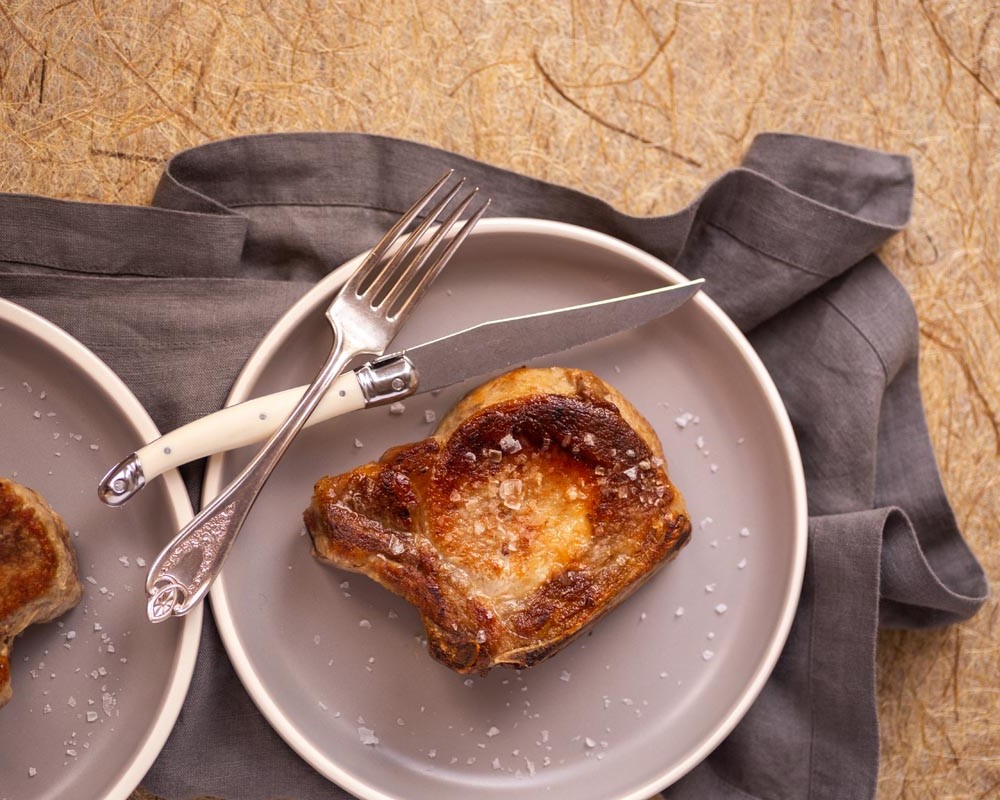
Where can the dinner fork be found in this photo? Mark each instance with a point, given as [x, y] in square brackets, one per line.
[365, 316]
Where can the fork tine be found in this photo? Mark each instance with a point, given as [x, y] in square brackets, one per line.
[378, 251]
[377, 286]
[413, 284]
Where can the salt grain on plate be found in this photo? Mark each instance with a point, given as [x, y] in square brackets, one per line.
[429, 416]
[683, 420]
[493, 731]
[397, 408]
[741, 564]
[744, 532]
[367, 736]
[679, 612]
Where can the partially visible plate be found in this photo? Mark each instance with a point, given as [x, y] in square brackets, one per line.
[97, 692]
[338, 665]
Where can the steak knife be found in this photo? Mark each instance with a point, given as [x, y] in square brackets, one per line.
[482, 349]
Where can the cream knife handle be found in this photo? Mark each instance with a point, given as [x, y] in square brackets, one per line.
[227, 429]
[243, 424]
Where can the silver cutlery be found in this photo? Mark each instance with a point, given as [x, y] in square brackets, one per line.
[365, 316]
[482, 349]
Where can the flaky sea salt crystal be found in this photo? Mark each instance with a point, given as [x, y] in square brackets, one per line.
[510, 493]
[367, 736]
[493, 731]
[741, 563]
[430, 416]
[683, 420]
[396, 409]
[721, 609]
[509, 444]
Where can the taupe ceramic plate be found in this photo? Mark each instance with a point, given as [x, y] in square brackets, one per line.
[96, 693]
[338, 665]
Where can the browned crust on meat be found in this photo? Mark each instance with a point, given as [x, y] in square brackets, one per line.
[510, 555]
[38, 568]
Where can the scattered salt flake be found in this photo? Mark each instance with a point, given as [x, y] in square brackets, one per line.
[90, 580]
[71, 702]
[707, 655]
[32, 772]
[392, 614]
[679, 612]
[140, 561]
[46, 709]
[744, 532]
[98, 626]
[741, 563]
[432, 753]
[709, 588]
[721, 609]
[37, 415]
[358, 444]
[92, 716]
[364, 624]
[95, 447]
[123, 560]
[741, 440]
[493, 731]
[316, 639]
[430, 416]
[683, 420]
[713, 468]
[706, 522]
[496, 763]
[108, 703]
[367, 736]
[70, 634]
[590, 742]
[565, 676]
[396, 409]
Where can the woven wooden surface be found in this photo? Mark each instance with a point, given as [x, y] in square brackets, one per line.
[638, 103]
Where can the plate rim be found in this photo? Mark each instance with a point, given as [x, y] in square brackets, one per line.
[293, 316]
[185, 656]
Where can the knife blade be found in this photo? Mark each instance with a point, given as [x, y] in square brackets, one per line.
[480, 350]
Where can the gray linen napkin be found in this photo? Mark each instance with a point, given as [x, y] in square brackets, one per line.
[241, 228]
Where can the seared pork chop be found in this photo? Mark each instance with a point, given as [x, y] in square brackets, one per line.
[539, 504]
[38, 572]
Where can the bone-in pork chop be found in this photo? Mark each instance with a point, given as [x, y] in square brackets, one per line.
[539, 504]
[38, 572]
